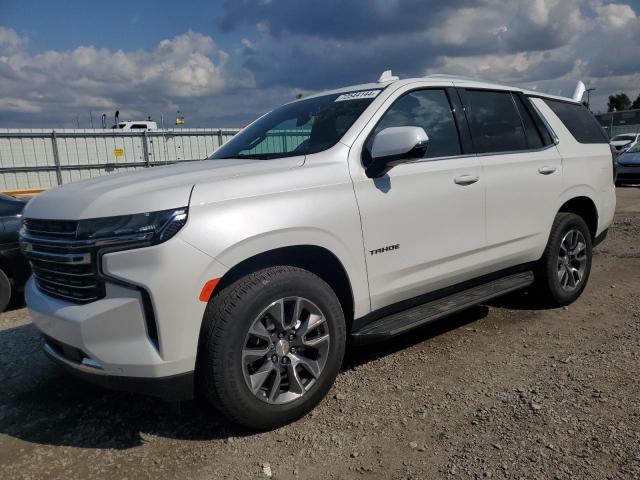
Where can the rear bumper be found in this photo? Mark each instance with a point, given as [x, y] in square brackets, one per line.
[172, 388]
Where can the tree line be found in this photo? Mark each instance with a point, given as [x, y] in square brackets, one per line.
[621, 101]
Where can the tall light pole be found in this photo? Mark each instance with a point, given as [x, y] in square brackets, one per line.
[589, 90]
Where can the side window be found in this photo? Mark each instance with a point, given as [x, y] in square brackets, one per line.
[579, 121]
[531, 132]
[431, 110]
[495, 122]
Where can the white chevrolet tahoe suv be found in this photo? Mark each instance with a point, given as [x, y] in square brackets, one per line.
[345, 217]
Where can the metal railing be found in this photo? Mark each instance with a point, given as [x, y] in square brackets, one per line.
[41, 159]
[45, 158]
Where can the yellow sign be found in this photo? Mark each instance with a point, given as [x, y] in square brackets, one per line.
[180, 121]
[118, 152]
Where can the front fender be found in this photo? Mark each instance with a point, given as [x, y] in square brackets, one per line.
[326, 217]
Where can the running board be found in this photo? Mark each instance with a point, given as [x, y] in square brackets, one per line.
[397, 323]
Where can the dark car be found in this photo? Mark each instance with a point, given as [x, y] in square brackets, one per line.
[629, 166]
[14, 268]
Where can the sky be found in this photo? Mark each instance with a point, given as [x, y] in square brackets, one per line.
[223, 63]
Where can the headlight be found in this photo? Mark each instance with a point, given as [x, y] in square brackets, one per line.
[153, 227]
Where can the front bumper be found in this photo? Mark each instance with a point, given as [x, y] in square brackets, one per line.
[108, 340]
[628, 174]
[173, 388]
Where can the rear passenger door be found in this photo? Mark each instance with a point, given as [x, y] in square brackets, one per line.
[522, 173]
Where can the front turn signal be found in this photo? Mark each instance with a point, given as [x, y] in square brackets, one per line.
[208, 289]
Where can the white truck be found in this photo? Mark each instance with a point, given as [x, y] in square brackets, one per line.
[139, 125]
[249, 273]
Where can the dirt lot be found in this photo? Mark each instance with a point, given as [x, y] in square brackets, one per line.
[502, 391]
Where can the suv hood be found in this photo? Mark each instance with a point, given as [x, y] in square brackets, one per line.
[151, 189]
[629, 159]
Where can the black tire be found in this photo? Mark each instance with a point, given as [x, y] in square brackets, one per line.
[227, 319]
[5, 291]
[549, 288]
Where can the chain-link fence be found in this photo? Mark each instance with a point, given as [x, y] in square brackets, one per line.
[615, 123]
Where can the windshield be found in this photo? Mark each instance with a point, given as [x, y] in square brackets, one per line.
[634, 149]
[299, 128]
[619, 138]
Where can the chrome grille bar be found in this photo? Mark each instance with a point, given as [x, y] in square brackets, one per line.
[63, 266]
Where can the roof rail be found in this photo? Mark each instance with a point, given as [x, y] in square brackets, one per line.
[387, 76]
[459, 77]
[447, 76]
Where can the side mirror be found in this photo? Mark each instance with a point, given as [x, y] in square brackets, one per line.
[395, 145]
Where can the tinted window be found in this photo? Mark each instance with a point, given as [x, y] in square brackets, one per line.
[138, 125]
[495, 122]
[531, 132]
[429, 109]
[299, 128]
[634, 149]
[579, 121]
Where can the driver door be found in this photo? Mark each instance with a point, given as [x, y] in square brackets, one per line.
[423, 222]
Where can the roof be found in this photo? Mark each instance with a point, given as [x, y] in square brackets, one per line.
[455, 79]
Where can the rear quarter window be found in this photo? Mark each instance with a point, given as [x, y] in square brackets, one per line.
[579, 121]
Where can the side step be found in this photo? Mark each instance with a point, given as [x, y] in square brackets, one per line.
[397, 323]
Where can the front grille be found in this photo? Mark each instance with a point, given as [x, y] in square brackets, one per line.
[63, 266]
[51, 228]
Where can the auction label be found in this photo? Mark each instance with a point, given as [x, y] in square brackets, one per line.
[358, 95]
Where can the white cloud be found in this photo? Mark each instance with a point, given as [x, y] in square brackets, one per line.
[177, 70]
[614, 16]
[285, 47]
[19, 105]
[10, 41]
[598, 48]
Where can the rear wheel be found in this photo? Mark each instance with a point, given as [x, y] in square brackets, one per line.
[565, 266]
[271, 347]
[5, 291]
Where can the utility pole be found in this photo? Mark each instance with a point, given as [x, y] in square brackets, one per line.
[589, 90]
[613, 112]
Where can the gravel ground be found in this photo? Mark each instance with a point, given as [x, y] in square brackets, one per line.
[502, 391]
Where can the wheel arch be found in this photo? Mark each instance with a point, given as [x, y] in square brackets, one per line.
[584, 207]
[315, 259]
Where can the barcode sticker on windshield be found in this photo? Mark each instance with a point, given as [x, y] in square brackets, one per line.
[357, 95]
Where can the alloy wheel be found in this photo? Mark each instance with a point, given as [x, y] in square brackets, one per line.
[285, 350]
[572, 260]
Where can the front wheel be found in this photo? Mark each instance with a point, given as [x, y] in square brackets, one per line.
[565, 266]
[271, 347]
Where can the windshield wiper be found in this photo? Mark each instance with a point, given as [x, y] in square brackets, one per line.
[253, 157]
[257, 156]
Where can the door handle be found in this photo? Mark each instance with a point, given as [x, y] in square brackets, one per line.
[546, 170]
[465, 180]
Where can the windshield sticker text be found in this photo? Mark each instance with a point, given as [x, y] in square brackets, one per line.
[357, 95]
